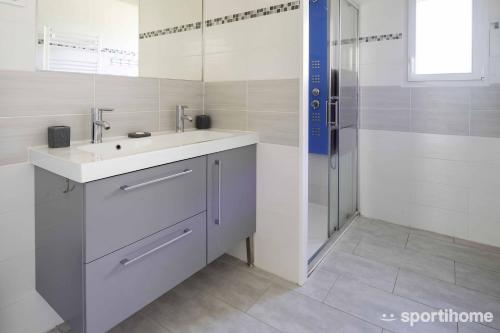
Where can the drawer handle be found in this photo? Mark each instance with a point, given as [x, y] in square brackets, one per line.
[154, 181]
[218, 220]
[125, 262]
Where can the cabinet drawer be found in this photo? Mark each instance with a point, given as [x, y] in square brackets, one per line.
[123, 209]
[123, 282]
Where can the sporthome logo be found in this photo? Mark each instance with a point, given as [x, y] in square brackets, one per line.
[440, 316]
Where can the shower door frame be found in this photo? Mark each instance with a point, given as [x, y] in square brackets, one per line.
[334, 235]
[335, 101]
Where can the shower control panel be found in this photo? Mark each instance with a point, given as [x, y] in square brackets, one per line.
[318, 76]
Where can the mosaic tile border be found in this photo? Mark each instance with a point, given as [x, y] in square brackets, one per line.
[170, 30]
[370, 39]
[379, 38]
[91, 49]
[265, 11]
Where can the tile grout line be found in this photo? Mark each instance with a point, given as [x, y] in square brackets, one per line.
[396, 281]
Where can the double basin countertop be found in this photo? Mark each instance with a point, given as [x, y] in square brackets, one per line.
[83, 162]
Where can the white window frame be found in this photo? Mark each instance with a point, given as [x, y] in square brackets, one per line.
[480, 46]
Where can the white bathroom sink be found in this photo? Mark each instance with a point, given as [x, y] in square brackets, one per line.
[129, 146]
[83, 162]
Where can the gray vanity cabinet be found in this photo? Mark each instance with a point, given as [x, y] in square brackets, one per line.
[231, 209]
[107, 248]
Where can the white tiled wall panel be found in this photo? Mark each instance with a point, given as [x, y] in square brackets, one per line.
[442, 183]
[263, 48]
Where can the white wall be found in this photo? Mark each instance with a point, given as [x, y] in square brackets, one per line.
[448, 184]
[265, 48]
[175, 56]
[429, 172]
[17, 36]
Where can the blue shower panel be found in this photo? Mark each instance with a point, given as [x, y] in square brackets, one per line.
[318, 76]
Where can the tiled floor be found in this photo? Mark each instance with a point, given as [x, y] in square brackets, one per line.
[376, 268]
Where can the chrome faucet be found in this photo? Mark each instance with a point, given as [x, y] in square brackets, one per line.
[98, 124]
[180, 117]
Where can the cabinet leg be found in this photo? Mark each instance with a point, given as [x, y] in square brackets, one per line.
[250, 253]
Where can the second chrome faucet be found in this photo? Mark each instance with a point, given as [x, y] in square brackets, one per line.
[98, 124]
[180, 117]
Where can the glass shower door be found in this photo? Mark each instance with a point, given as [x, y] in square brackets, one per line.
[343, 171]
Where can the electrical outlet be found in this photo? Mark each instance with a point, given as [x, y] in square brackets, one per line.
[20, 3]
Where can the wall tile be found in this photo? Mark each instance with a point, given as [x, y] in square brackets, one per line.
[440, 196]
[17, 232]
[440, 110]
[44, 93]
[486, 98]
[123, 123]
[453, 99]
[17, 187]
[179, 92]
[275, 127]
[17, 134]
[440, 122]
[227, 96]
[167, 120]
[126, 94]
[485, 123]
[226, 119]
[30, 314]
[386, 119]
[385, 97]
[17, 277]
[274, 95]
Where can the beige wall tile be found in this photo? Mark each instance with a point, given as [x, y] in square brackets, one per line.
[226, 96]
[235, 120]
[274, 95]
[124, 123]
[167, 120]
[17, 134]
[180, 92]
[275, 127]
[127, 94]
[44, 93]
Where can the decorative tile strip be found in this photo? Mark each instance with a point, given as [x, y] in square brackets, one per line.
[380, 38]
[170, 30]
[265, 11]
[91, 49]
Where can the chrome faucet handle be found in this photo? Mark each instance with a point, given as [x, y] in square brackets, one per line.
[104, 124]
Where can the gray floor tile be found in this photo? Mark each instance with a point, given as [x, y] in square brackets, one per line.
[431, 234]
[371, 272]
[487, 248]
[231, 283]
[291, 312]
[371, 304]
[440, 268]
[379, 232]
[443, 295]
[139, 323]
[475, 278]
[475, 328]
[461, 253]
[183, 310]
[318, 284]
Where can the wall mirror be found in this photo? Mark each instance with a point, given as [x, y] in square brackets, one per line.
[146, 38]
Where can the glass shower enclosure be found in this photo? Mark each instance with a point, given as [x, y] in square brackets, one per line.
[333, 121]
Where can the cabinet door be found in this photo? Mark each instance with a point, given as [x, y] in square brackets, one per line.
[231, 206]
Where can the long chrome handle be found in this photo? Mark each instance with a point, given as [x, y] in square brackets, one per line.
[126, 261]
[218, 163]
[334, 124]
[154, 181]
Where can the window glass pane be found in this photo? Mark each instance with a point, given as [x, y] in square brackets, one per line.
[443, 36]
